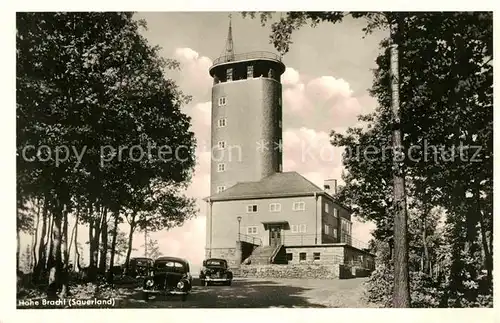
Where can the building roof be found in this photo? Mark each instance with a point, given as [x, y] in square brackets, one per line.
[283, 184]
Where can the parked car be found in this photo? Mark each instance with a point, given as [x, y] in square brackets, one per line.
[138, 266]
[168, 276]
[215, 270]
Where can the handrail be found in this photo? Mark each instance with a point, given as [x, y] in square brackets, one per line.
[309, 239]
[275, 253]
[249, 239]
[245, 56]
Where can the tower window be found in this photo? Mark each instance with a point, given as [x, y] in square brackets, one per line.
[326, 208]
[280, 124]
[221, 123]
[221, 144]
[335, 212]
[229, 74]
[222, 101]
[221, 167]
[279, 102]
[270, 74]
[250, 71]
[220, 189]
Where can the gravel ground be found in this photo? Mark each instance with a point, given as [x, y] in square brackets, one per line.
[259, 293]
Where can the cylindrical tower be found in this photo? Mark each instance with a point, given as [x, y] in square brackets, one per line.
[246, 137]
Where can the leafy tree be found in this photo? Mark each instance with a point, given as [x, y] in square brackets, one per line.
[157, 207]
[87, 81]
[446, 94]
[153, 249]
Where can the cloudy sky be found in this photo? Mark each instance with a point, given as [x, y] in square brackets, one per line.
[324, 88]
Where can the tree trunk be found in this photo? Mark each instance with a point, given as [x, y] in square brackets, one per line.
[77, 252]
[64, 272]
[35, 236]
[18, 249]
[50, 242]
[488, 258]
[130, 238]
[145, 242]
[425, 263]
[401, 294]
[104, 243]
[71, 239]
[42, 251]
[55, 265]
[91, 242]
[95, 242]
[116, 216]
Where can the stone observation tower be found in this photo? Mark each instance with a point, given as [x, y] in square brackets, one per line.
[246, 129]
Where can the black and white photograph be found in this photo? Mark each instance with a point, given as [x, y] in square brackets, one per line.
[253, 159]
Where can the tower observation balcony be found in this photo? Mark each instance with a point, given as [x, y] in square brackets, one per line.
[247, 65]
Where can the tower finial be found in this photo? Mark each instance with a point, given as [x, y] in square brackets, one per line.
[229, 43]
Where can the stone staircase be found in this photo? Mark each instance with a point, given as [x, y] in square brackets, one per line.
[260, 256]
[279, 256]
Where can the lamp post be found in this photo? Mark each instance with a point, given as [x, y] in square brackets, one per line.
[239, 227]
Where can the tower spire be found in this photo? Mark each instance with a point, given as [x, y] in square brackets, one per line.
[229, 53]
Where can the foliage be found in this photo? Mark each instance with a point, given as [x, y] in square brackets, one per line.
[90, 87]
[446, 94]
[121, 244]
[153, 250]
[425, 291]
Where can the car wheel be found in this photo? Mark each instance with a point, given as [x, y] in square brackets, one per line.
[228, 283]
[184, 297]
[145, 296]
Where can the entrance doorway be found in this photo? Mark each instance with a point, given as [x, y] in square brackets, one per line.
[274, 236]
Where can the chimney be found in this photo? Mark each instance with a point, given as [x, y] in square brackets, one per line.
[330, 186]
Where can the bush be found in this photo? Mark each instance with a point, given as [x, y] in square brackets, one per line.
[425, 292]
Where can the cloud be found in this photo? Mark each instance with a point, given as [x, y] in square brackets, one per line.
[328, 87]
[307, 149]
[290, 77]
[324, 103]
[193, 77]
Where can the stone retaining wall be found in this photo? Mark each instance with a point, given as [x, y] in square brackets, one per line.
[305, 271]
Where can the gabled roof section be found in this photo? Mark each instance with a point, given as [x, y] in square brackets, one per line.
[278, 184]
[283, 184]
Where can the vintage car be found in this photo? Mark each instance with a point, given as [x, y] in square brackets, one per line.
[168, 276]
[215, 270]
[138, 266]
